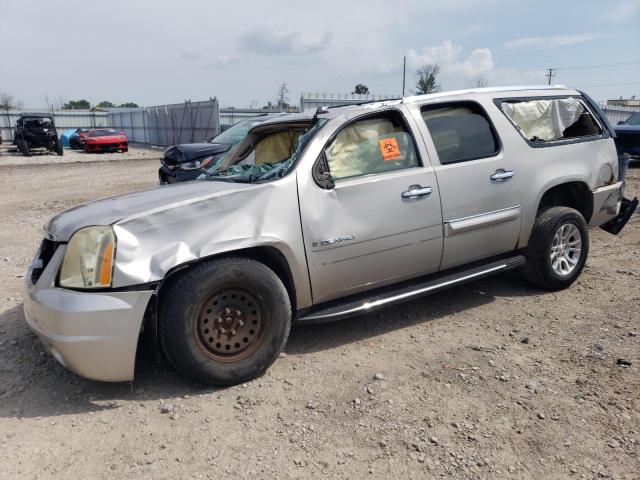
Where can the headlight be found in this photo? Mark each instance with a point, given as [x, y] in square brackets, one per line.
[88, 261]
[195, 164]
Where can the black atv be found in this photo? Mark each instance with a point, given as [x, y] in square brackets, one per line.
[36, 130]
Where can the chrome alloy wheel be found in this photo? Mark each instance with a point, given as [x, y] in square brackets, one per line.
[566, 249]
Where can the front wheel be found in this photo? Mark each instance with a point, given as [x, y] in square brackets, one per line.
[225, 321]
[23, 146]
[558, 248]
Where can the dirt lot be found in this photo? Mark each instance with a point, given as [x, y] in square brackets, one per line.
[9, 156]
[491, 380]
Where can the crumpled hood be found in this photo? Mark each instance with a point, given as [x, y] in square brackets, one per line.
[191, 151]
[113, 209]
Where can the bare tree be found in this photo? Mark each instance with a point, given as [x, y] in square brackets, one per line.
[282, 99]
[479, 82]
[7, 102]
[428, 79]
[48, 102]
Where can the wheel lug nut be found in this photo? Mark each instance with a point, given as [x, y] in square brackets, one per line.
[222, 331]
[218, 320]
[240, 323]
[232, 332]
[238, 313]
[227, 310]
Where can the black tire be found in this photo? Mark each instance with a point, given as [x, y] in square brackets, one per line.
[59, 148]
[539, 269]
[255, 294]
[23, 146]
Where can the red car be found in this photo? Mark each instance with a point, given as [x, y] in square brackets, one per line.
[104, 140]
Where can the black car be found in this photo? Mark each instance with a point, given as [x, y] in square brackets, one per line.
[36, 130]
[188, 161]
[628, 136]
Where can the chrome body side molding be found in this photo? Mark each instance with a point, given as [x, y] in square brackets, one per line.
[462, 225]
[407, 291]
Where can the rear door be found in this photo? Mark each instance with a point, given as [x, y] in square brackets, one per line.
[480, 188]
[381, 222]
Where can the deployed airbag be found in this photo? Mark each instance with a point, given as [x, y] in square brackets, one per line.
[544, 119]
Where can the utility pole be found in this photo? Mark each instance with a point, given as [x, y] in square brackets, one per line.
[404, 72]
[550, 75]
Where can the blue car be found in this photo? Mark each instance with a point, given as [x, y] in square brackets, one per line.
[628, 133]
[66, 135]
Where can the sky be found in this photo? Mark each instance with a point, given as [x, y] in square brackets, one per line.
[166, 51]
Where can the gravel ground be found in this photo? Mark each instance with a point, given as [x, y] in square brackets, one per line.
[494, 379]
[9, 156]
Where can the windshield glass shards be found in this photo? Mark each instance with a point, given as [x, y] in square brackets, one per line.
[265, 155]
[236, 133]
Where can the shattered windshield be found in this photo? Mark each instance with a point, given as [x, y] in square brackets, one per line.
[236, 133]
[264, 158]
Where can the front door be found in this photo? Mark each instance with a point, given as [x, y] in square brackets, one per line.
[381, 222]
[480, 187]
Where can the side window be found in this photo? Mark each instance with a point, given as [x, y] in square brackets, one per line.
[460, 132]
[372, 145]
[551, 119]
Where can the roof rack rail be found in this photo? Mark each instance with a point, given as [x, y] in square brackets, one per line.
[366, 102]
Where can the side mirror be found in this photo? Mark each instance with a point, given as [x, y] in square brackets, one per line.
[322, 174]
[621, 122]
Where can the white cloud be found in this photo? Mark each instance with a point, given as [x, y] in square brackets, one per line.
[220, 61]
[622, 11]
[189, 56]
[448, 57]
[267, 42]
[553, 41]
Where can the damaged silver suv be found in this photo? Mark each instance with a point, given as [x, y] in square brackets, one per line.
[317, 217]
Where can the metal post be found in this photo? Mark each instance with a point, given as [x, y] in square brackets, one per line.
[550, 75]
[404, 72]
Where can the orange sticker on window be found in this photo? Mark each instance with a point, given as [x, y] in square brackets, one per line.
[389, 149]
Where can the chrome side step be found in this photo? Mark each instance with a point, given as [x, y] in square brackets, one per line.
[369, 301]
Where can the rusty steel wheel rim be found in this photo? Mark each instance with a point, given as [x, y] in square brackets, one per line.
[229, 325]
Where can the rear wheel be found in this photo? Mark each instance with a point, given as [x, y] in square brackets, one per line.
[59, 148]
[225, 321]
[558, 248]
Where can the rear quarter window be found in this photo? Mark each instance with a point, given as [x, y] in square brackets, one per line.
[551, 121]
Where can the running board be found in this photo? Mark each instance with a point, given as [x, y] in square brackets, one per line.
[363, 303]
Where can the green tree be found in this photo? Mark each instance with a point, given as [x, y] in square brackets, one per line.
[361, 89]
[428, 79]
[77, 105]
[129, 105]
[105, 104]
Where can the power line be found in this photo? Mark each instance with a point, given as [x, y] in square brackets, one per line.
[610, 84]
[604, 65]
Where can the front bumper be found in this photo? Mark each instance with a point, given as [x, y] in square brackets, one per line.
[93, 334]
[169, 175]
[611, 210]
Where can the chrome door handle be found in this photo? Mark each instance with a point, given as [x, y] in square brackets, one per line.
[416, 191]
[502, 174]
